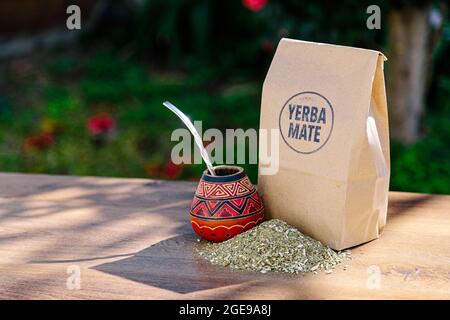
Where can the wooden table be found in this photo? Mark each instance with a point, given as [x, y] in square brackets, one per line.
[131, 239]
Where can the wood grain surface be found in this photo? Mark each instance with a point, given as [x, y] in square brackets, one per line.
[131, 239]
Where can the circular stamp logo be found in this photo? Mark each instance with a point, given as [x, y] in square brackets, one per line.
[306, 122]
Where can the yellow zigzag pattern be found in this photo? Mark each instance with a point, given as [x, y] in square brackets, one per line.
[229, 228]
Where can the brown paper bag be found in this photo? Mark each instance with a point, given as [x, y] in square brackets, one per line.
[329, 104]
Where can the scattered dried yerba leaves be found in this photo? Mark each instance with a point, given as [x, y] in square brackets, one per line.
[272, 246]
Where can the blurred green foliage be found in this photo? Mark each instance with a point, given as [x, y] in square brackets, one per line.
[207, 57]
[76, 90]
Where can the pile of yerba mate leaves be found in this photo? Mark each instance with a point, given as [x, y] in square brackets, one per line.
[273, 246]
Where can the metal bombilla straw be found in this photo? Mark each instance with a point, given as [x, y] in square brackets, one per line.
[194, 132]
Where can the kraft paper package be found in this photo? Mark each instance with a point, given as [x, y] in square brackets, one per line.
[329, 104]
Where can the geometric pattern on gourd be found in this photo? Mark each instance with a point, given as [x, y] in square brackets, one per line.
[241, 206]
[224, 190]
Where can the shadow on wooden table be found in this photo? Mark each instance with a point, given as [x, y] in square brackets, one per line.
[173, 264]
[408, 201]
[82, 220]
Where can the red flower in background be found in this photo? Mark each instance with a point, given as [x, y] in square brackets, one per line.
[267, 46]
[153, 170]
[168, 170]
[40, 141]
[172, 170]
[254, 5]
[101, 124]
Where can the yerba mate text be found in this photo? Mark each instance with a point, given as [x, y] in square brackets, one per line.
[305, 122]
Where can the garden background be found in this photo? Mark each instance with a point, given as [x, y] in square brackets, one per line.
[88, 102]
